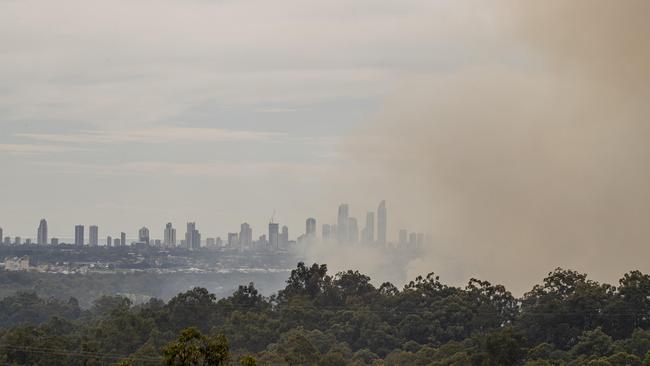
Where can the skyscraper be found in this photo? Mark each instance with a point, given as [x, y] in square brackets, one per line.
[143, 235]
[109, 241]
[93, 235]
[327, 232]
[369, 230]
[192, 237]
[245, 236]
[233, 240]
[42, 233]
[353, 230]
[273, 235]
[310, 228]
[169, 235]
[284, 236]
[342, 223]
[403, 237]
[381, 223]
[122, 239]
[79, 235]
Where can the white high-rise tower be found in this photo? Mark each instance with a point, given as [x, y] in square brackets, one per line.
[381, 223]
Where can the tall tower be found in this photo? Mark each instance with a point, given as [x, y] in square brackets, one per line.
[93, 235]
[42, 233]
[369, 230]
[123, 239]
[403, 237]
[273, 235]
[284, 236]
[353, 230]
[310, 228]
[192, 237]
[143, 235]
[327, 232]
[342, 223]
[245, 236]
[169, 235]
[381, 223]
[79, 235]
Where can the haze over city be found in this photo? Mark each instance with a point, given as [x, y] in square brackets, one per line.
[515, 134]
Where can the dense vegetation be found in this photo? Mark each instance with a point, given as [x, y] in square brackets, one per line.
[319, 319]
[87, 288]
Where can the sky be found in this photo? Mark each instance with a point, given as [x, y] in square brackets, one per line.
[515, 133]
[131, 113]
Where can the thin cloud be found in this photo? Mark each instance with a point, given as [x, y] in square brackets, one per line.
[154, 135]
[35, 148]
[243, 169]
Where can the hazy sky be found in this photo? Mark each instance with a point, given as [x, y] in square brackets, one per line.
[516, 133]
[130, 113]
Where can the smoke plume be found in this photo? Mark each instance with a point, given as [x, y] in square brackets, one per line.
[517, 170]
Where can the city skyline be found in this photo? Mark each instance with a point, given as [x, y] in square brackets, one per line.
[349, 233]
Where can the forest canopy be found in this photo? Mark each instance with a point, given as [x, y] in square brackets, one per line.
[342, 319]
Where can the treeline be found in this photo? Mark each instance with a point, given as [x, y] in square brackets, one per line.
[320, 319]
[87, 288]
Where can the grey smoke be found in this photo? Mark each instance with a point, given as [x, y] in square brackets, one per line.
[518, 170]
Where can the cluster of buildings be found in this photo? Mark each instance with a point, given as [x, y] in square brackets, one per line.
[344, 231]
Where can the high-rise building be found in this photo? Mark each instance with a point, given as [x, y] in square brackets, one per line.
[7, 240]
[28, 241]
[342, 223]
[169, 235]
[420, 240]
[143, 235]
[1, 234]
[403, 237]
[261, 241]
[41, 236]
[310, 228]
[233, 240]
[93, 235]
[381, 223]
[413, 239]
[273, 235]
[284, 236]
[54, 241]
[327, 232]
[369, 230]
[122, 239]
[245, 236]
[117, 242]
[192, 237]
[109, 241]
[79, 235]
[353, 230]
[18, 240]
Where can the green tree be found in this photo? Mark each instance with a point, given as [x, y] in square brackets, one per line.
[194, 349]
